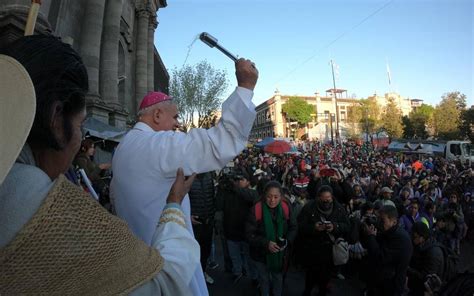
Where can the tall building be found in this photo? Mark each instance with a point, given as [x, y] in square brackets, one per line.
[272, 122]
[116, 41]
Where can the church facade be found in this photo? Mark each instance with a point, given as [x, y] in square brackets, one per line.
[116, 41]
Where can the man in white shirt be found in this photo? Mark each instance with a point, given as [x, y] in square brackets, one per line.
[145, 162]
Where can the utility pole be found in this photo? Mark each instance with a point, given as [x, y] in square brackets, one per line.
[335, 102]
[332, 134]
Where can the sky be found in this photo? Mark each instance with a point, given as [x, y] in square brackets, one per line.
[427, 44]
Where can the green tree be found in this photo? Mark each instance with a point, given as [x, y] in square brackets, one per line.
[408, 127]
[297, 109]
[370, 116]
[458, 97]
[354, 116]
[426, 110]
[467, 124]
[419, 123]
[197, 91]
[392, 122]
[447, 116]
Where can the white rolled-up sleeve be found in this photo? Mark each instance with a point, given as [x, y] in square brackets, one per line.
[203, 150]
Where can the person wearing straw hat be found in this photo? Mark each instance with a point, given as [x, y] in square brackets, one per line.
[146, 159]
[385, 198]
[54, 239]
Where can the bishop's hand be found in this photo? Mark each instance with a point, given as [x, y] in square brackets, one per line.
[247, 73]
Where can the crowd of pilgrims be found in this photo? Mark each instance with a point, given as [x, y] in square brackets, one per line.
[402, 219]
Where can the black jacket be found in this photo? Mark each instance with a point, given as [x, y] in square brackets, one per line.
[314, 249]
[255, 234]
[427, 259]
[389, 254]
[236, 204]
[202, 196]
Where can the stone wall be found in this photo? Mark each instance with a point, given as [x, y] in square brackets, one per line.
[116, 41]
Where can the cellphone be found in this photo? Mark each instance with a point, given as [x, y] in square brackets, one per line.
[327, 222]
[281, 242]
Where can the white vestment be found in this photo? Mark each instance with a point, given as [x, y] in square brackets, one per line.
[145, 164]
[24, 190]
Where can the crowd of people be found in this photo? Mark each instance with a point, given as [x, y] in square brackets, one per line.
[394, 222]
[401, 219]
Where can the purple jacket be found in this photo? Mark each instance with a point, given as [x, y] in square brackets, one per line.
[407, 221]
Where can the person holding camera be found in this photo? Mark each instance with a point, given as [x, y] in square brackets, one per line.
[237, 199]
[427, 258]
[320, 222]
[270, 229]
[389, 251]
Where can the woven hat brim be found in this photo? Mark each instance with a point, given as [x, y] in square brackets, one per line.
[17, 111]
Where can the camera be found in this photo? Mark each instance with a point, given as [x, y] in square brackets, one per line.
[370, 220]
[433, 282]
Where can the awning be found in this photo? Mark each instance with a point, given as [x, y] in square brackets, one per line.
[97, 128]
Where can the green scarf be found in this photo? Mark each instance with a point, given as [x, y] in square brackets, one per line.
[274, 260]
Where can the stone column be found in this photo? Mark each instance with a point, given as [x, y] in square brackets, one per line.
[141, 74]
[109, 54]
[91, 35]
[151, 52]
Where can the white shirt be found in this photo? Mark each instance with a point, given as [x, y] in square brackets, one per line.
[145, 164]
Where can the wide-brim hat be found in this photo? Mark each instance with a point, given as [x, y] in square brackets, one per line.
[424, 182]
[386, 190]
[18, 101]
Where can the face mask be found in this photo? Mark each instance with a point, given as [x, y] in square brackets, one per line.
[325, 205]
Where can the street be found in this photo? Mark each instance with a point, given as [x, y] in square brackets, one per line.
[294, 283]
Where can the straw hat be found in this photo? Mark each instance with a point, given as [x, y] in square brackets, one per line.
[18, 101]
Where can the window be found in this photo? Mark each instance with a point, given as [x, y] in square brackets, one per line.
[343, 115]
[455, 149]
[326, 114]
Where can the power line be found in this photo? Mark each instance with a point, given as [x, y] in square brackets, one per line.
[335, 40]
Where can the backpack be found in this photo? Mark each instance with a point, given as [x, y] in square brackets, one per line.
[259, 210]
[451, 260]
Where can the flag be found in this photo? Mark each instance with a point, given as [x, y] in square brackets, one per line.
[389, 75]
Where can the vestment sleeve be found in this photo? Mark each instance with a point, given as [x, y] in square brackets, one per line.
[204, 150]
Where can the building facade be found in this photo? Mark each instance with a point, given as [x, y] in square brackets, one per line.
[406, 105]
[116, 41]
[272, 122]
